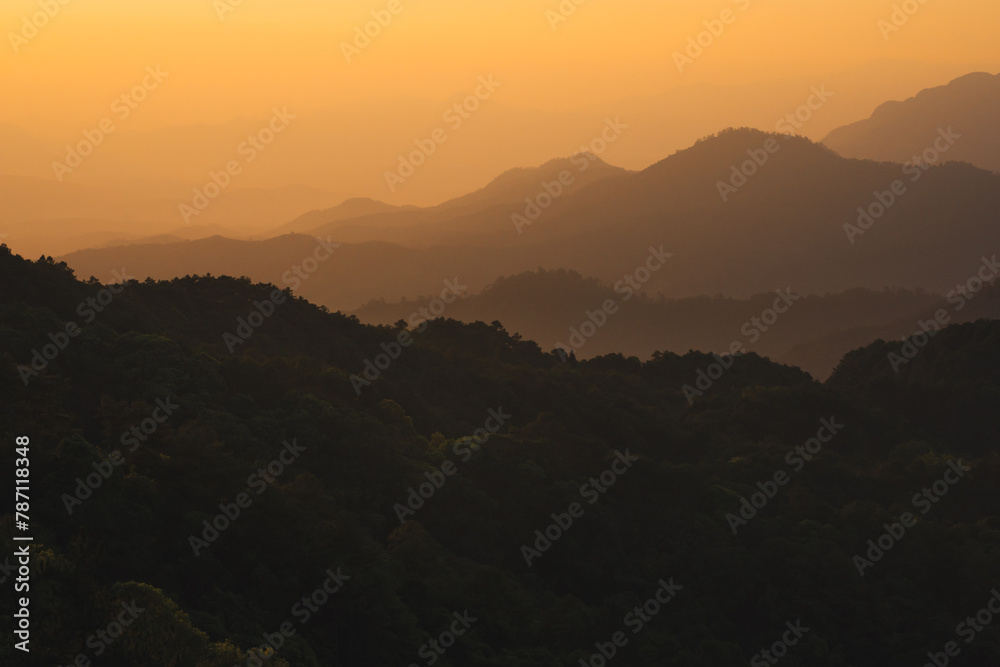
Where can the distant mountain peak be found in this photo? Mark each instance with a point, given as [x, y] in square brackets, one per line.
[974, 78]
[361, 201]
[554, 166]
[898, 129]
[513, 184]
[733, 143]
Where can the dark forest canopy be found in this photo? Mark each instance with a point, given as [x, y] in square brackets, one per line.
[748, 507]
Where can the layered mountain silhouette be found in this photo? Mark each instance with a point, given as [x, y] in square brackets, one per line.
[814, 334]
[899, 131]
[342, 504]
[347, 148]
[42, 216]
[478, 334]
[797, 222]
[469, 218]
[352, 209]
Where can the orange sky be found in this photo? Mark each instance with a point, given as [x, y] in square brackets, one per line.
[564, 68]
[265, 53]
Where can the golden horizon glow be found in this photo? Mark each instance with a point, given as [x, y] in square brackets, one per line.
[264, 53]
[559, 79]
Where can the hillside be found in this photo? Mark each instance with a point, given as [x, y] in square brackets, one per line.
[813, 333]
[898, 131]
[757, 240]
[351, 209]
[456, 220]
[522, 436]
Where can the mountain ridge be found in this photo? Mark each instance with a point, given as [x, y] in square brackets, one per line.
[898, 130]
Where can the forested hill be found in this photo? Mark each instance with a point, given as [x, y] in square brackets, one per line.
[569, 506]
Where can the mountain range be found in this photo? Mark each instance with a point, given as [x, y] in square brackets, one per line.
[506, 444]
[742, 213]
[900, 131]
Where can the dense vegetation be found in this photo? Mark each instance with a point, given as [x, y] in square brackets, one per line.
[668, 516]
[814, 333]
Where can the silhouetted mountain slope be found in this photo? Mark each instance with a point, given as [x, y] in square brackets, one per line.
[458, 219]
[352, 274]
[899, 131]
[827, 350]
[358, 208]
[514, 185]
[945, 383]
[786, 225]
[470, 546]
[547, 306]
[346, 147]
[789, 226]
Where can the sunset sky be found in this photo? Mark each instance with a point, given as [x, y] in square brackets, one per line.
[265, 53]
[361, 103]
